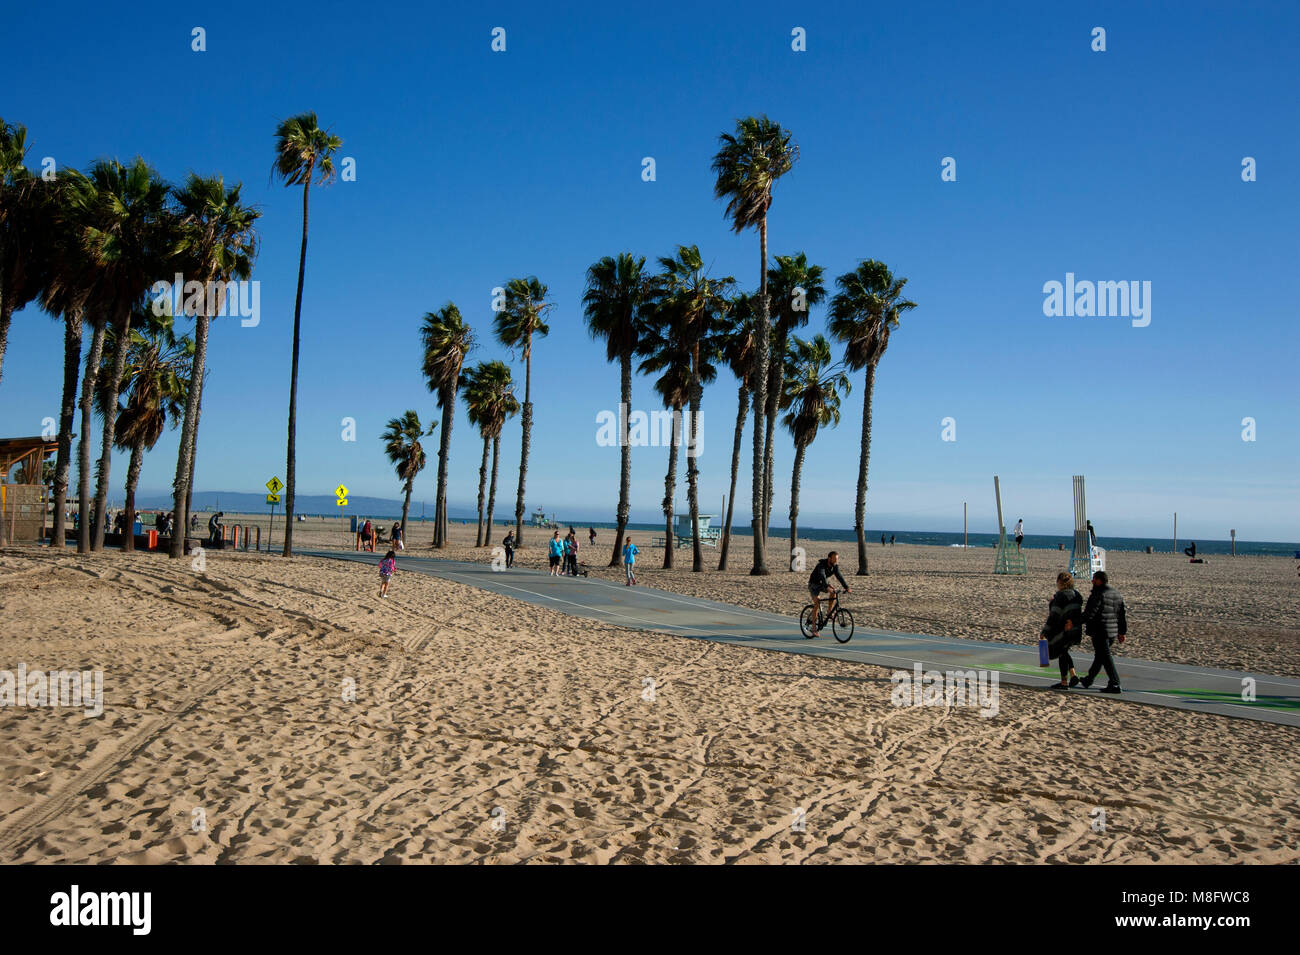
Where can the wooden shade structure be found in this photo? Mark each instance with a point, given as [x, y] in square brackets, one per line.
[23, 505]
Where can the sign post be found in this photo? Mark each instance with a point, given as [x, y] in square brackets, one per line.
[274, 486]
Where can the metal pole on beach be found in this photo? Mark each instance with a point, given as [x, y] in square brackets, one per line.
[1175, 532]
[963, 525]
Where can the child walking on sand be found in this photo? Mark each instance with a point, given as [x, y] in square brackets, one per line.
[386, 568]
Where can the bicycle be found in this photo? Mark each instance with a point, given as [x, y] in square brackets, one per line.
[840, 619]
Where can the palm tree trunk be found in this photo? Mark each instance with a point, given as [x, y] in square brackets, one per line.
[776, 377]
[290, 474]
[67, 415]
[860, 511]
[448, 396]
[6, 316]
[761, 357]
[182, 485]
[132, 479]
[120, 350]
[482, 489]
[492, 488]
[523, 454]
[670, 489]
[625, 449]
[88, 381]
[794, 499]
[406, 504]
[692, 467]
[741, 413]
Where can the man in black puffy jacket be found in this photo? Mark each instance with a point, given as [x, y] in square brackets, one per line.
[1104, 620]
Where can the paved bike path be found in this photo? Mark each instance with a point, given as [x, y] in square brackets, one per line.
[1277, 699]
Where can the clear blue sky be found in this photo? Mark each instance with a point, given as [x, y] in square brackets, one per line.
[475, 166]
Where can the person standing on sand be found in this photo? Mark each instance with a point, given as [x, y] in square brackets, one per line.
[1064, 628]
[629, 562]
[591, 536]
[396, 538]
[882, 539]
[1020, 533]
[573, 553]
[891, 540]
[386, 568]
[509, 545]
[1105, 619]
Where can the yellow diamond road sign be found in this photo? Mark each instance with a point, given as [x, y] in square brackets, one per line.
[341, 492]
[273, 499]
[274, 485]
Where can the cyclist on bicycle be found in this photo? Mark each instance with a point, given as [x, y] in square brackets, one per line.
[820, 581]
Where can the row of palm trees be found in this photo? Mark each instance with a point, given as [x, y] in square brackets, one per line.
[88, 247]
[681, 324]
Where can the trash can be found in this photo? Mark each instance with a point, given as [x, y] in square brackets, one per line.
[153, 540]
[1150, 549]
[354, 523]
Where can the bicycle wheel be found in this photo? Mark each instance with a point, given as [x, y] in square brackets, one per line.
[806, 620]
[842, 625]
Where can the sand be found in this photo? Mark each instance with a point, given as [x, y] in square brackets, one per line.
[487, 730]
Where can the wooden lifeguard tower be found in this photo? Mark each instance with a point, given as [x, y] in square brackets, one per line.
[23, 505]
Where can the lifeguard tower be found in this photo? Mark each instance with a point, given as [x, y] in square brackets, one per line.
[23, 501]
[1086, 558]
[1010, 560]
[684, 533]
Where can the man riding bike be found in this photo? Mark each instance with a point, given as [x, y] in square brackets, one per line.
[820, 581]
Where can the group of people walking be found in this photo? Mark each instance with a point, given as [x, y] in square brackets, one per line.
[563, 554]
[1069, 619]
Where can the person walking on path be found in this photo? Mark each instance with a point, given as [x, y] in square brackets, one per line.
[573, 553]
[629, 562]
[509, 545]
[1020, 533]
[1064, 628]
[557, 553]
[591, 536]
[396, 538]
[1105, 620]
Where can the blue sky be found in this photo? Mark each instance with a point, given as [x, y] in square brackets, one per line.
[475, 166]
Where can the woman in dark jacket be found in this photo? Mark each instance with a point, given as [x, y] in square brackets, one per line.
[1064, 628]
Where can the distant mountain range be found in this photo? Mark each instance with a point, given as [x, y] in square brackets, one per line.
[235, 502]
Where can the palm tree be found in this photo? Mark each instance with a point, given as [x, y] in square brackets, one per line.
[489, 394]
[22, 264]
[446, 340]
[613, 304]
[811, 398]
[130, 235]
[155, 383]
[406, 454]
[217, 245]
[737, 344]
[303, 152]
[748, 165]
[66, 287]
[688, 306]
[794, 285]
[863, 313]
[515, 326]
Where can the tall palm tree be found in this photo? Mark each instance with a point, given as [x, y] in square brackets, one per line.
[155, 383]
[490, 398]
[303, 153]
[130, 234]
[22, 264]
[405, 452]
[689, 306]
[67, 285]
[747, 165]
[446, 339]
[794, 285]
[811, 398]
[613, 304]
[737, 344]
[515, 326]
[217, 245]
[862, 314]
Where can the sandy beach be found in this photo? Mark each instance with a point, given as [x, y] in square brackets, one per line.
[267, 710]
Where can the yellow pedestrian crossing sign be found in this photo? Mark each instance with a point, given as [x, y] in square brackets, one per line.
[274, 485]
[341, 492]
[273, 499]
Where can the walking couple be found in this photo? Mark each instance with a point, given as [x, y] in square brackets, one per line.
[1103, 619]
